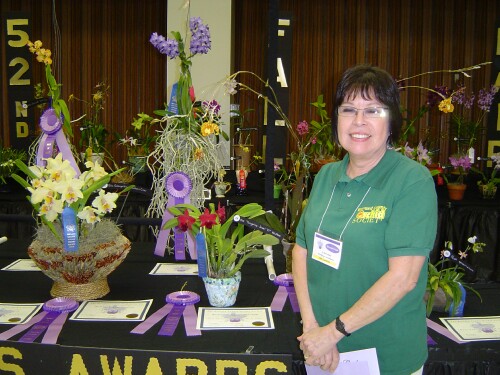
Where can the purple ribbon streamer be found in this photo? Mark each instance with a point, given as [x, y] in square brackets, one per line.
[170, 324]
[46, 145]
[54, 329]
[279, 299]
[443, 330]
[21, 327]
[152, 320]
[190, 318]
[40, 327]
[293, 297]
[161, 240]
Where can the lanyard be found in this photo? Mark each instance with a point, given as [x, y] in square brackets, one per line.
[348, 221]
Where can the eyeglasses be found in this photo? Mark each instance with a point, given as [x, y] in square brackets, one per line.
[369, 112]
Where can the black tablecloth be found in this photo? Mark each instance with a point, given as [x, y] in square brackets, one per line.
[131, 281]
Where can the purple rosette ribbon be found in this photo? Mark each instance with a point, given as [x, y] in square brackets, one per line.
[179, 304]
[50, 321]
[178, 186]
[285, 290]
[53, 135]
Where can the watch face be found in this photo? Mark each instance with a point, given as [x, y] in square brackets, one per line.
[50, 122]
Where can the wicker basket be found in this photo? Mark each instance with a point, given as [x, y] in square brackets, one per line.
[81, 275]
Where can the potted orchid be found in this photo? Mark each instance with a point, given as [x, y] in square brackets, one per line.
[74, 245]
[227, 244]
[488, 185]
[461, 165]
[444, 283]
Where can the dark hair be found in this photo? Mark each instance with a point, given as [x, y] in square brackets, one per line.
[366, 80]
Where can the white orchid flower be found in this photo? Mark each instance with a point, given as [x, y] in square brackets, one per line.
[105, 202]
[472, 239]
[89, 215]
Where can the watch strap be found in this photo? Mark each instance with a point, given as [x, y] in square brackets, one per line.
[339, 325]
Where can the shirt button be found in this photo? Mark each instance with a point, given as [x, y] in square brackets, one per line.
[348, 195]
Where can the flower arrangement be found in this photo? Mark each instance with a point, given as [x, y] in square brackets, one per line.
[44, 56]
[449, 279]
[226, 249]
[93, 131]
[462, 164]
[56, 187]
[200, 43]
[445, 100]
[490, 181]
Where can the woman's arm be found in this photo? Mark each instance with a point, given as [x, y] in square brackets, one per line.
[401, 278]
[299, 270]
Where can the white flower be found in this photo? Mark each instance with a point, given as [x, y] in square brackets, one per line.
[472, 239]
[89, 215]
[51, 209]
[105, 202]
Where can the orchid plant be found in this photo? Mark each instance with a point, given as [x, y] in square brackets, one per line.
[448, 279]
[462, 164]
[227, 247]
[44, 56]
[57, 186]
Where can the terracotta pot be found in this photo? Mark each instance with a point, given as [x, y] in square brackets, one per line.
[487, 192]
[456, 191]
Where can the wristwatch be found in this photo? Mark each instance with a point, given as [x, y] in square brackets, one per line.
[339, 325]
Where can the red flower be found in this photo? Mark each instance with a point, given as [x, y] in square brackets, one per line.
[185, 221]
[207, 219]
[221, 213]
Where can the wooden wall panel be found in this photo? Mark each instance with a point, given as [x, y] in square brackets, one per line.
[109, 40]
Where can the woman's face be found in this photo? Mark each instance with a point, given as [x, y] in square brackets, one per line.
[363, 137]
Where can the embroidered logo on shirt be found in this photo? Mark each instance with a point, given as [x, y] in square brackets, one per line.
[370, 214]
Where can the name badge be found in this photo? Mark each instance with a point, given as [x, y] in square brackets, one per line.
[327, 250]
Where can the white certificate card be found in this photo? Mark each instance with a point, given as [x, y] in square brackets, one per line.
[359, 362]
[235, 318]
[22, 265]
[18, 313]
[110, 311]
[184, 269]
[479, 328]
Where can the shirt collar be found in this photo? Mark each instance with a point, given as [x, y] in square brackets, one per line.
[374, 178]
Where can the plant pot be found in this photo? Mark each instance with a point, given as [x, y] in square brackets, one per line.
[222, 292]
[221, 189]
[456, 191]
[487, 192]
[276, 191]
[80, 275]
[137, 163]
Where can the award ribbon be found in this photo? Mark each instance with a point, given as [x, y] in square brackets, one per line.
[285, 289]
[51, 320]
[70, 229]
[178, 186]
[52, 135]
[178, 304]
[201, 250]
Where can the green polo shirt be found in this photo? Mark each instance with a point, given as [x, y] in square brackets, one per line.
[390, 211]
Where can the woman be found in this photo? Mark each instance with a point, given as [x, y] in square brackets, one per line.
[360, 262]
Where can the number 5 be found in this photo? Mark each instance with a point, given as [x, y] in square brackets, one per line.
[23, 35]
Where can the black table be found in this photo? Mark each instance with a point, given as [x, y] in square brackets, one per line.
[131, 281]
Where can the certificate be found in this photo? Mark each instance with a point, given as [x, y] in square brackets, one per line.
[479, 328]
[22, 265]
[210, 318]
[359, 362]
[18, 313]
[184, 269]
[112, 310]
